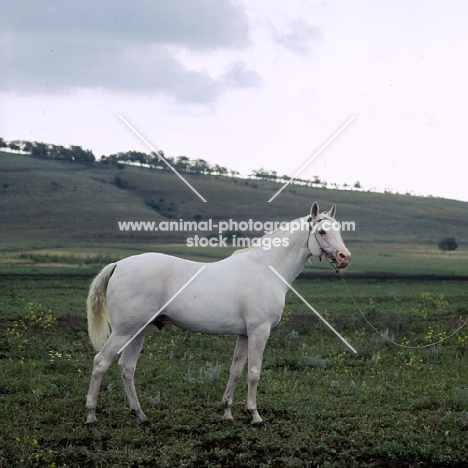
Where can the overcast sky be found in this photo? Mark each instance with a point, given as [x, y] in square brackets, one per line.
[248, 84]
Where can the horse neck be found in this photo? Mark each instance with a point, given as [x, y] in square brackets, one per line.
[290, 260]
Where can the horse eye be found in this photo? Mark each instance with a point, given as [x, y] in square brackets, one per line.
[322, 232]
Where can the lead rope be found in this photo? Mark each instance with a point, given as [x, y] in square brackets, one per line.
[386, 337]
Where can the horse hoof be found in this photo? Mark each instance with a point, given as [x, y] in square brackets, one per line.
[142, 418]
[91, 419]
[227, 420]
[256, 419]
[257, 423]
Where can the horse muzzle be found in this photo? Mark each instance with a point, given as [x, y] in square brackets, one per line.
[343, 259]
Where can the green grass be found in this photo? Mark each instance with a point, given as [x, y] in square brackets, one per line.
[322, 406]
[378, 258]
[405, 259]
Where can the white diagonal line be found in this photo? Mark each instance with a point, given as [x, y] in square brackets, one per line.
[313, 310]
[161, 309]
[312, 158]
[152, 149]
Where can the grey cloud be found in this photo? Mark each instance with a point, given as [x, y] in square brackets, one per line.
[67, 64]
[240, 76]
[198, 24]
[60, 45]
[299, 37]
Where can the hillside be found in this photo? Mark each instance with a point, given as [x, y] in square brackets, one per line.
[54, 204]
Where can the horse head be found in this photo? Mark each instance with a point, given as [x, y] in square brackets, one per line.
[324, 239]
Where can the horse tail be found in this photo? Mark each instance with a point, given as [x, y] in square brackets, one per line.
[98, 315]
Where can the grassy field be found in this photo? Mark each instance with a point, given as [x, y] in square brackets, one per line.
[368, 260]
[322, 405]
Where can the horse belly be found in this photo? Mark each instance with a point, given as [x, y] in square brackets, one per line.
[215, 322]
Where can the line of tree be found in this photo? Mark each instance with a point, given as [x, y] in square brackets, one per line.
[158, 161]
[154, 161]
[47, 151]
[269, 175]
[162, 162]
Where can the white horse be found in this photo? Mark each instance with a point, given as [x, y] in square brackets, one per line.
[239, 295]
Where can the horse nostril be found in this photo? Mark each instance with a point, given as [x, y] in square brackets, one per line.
[344, 257]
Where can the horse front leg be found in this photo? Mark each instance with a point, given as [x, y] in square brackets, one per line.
[257, 342]
[238, 363]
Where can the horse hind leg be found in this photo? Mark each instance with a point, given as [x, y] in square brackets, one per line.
[127, 366]
[257, 342]
[238, 363]
[102, 362]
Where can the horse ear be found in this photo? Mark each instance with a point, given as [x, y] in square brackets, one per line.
[332, 211]
[314, 211]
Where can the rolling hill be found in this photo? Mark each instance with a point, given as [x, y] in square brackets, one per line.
[54, 204]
